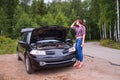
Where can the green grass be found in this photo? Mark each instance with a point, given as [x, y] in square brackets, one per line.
[7, 45]
[91, 40]
[110, 43]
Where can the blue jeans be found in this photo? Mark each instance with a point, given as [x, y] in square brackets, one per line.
[79, 49]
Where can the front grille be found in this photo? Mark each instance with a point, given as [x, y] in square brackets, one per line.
[50, 52]
[59, 59]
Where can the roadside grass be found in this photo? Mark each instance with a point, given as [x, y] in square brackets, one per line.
[74, 40]
[7, 45]
[110, 43]
[91, 40]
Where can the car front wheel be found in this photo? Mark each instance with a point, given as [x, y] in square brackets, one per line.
[28, 65]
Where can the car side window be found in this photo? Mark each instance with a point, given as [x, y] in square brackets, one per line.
[23, 37]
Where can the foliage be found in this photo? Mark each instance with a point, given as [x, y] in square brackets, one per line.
[24, 5]
[7, 45]
[107, 15]
[3, 21]
[110, 43]
[39, 7]
[61, 19]
[24, 22]
[18, 14]
[9, 9]
[99, 17]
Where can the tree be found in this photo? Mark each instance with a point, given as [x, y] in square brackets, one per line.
[18, 12]
[118, 21]
[9, 9]
[3, 20]
[25, 5]
[24, 22]
[107, 17]
[99, 15]
[61, 19]
[76, 5]
[48, 19]
[38, 7]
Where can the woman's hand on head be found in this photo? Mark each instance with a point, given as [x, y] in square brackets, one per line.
[73, 24]
[75, 21]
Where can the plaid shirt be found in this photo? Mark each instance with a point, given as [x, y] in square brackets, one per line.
[79, 30]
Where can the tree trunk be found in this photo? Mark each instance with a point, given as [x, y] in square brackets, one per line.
[118, 25]
[115, 32]
[105, 31]
[89, 33]
[100, 33]
[1, 32]
[110, 32]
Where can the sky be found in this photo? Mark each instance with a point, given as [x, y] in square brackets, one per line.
[46, 1]
[51, 0]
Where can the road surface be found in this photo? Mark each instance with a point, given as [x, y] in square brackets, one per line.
[94, 49]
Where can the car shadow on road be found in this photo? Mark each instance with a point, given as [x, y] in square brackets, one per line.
[53, 70]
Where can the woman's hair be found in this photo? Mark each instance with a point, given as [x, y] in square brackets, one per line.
[80, 21]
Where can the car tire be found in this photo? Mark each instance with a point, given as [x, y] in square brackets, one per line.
[72, 64]
[28, 65]
[18, 57]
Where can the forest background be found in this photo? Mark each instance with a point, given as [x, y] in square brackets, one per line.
[101, 17]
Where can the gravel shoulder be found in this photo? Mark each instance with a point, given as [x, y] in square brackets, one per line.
[93, 69]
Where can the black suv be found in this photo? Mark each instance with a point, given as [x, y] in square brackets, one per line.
[45, 47]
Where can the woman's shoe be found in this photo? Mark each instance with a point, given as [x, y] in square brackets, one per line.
[76, 64]
[79, 66]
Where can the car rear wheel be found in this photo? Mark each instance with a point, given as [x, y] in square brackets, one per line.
[18, 57]
[28, 65]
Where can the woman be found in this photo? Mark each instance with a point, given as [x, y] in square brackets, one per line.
[80, 29]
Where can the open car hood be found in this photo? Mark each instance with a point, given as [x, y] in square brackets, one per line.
[49, 32]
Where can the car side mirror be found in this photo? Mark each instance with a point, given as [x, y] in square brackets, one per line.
[69, 41]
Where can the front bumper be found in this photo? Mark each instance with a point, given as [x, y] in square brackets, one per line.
[51, 62]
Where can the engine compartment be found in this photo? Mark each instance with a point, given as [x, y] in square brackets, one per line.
[50, 44]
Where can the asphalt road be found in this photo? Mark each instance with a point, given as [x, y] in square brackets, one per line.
[94, 49]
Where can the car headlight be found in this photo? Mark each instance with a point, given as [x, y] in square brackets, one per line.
[38, 52]
[72, 49]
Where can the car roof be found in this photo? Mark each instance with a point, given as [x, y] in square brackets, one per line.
[27, 30]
